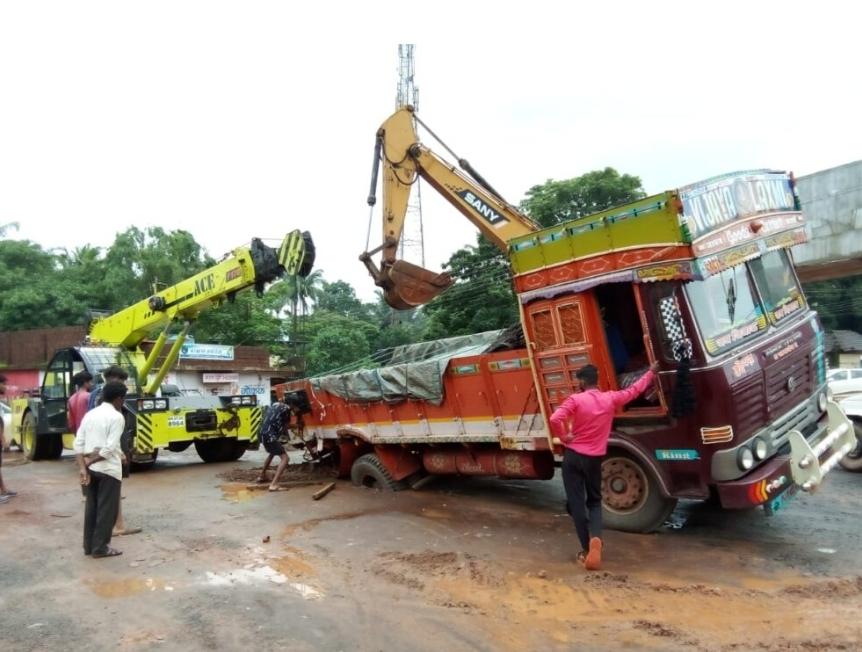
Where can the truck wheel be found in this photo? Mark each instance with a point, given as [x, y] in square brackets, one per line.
[368, 471]
[33, 446]
[239, 449]
[853, 460]
[216, 450]
[55, 447]
[143, 463]
[631, 498]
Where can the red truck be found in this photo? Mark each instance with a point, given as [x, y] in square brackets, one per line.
[700, 279]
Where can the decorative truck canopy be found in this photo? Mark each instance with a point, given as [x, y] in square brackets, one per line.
[684, 234]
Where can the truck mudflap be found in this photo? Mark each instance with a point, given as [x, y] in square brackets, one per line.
[810, 464]
[772, 484]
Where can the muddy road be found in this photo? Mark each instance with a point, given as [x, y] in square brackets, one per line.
[459, 565]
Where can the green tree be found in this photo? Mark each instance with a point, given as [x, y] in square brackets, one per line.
[139, 260]
[34, 292]
[5, 228]
[336, 341]
[245, 321]
[482, 297]
[838, 302]
[560, 201]
[340, 298]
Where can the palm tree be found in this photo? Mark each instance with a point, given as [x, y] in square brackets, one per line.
[5, 228]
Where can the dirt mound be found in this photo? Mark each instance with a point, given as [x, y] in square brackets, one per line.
[657, 629]
[844, 588]
[292, 472]
[427, 561]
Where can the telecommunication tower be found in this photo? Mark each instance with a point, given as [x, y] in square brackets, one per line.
[408, 93]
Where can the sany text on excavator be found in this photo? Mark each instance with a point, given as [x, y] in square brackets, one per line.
[221, 427]
[404, 159]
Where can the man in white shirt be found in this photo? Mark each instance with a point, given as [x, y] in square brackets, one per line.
[100, 463]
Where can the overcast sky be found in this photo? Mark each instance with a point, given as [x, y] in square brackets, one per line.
[242, 119]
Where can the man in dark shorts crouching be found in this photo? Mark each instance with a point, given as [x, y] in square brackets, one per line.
[274, 427]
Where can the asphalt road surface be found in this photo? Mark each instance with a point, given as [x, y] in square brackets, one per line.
[460, 565]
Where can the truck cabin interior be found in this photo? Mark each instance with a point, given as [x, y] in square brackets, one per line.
[603, 327]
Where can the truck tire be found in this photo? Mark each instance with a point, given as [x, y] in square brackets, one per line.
[35, 447]
[631, 498]
[853, 460]
[239, 449]
[55, 447]
[222, 449]
[138, 465]
[368, 471]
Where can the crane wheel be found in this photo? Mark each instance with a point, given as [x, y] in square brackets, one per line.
[222, 449]
[35, 447]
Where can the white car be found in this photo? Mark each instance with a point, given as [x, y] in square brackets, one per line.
[844, 381]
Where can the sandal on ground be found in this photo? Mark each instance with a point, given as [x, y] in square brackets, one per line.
[126, 532]
[593, 560]
[110, 552]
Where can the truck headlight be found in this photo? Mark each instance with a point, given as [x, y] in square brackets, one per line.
[821, 401]
[745, 458]
[760, 448]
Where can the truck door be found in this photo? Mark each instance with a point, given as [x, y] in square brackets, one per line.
[564, 333]
[57, 388]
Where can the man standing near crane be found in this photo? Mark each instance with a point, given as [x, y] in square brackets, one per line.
[99, 457]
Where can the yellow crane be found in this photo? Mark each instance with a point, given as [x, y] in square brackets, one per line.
[221, 427]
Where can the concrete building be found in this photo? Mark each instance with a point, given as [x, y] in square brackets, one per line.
[832, 202]
[843, 349]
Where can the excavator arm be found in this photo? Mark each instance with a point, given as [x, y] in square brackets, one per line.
[251, 266]
[404, 159]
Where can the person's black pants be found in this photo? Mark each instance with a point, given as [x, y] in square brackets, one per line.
[582, 478]
[100, 513]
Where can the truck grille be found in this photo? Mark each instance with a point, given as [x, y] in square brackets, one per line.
[797, 419]
[748, 402]
[788, 383]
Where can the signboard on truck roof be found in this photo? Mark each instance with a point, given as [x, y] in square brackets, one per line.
[711, 204]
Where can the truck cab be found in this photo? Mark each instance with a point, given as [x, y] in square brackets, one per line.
[702, 280]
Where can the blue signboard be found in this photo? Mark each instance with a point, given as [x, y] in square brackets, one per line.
[195, 351]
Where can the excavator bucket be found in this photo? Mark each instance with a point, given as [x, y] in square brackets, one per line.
[410, 285]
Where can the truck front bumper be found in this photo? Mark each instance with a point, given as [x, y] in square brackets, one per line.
[774, 482]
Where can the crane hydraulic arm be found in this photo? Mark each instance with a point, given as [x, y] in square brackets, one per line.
[254, 265]
[404, 159]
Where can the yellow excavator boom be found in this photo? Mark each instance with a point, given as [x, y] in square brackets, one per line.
[404, 158]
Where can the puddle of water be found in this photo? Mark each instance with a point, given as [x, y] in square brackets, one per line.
[126, 587]
[306, 591]
[292, 566]
[246, 576]
[262, 575]
[236, 492]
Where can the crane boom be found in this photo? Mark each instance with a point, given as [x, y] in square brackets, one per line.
[254, 265]
[404, 158]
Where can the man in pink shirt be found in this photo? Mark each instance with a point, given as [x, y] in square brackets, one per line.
[77, 406]
[583, 423]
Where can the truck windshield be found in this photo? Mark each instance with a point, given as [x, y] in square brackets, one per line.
[725, 308]
[776, 282]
